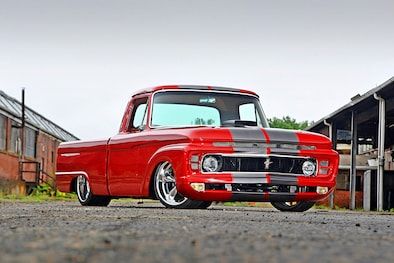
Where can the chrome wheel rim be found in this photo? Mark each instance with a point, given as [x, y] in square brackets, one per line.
[166, 187]
[83, 188]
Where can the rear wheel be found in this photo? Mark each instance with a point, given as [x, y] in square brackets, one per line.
[85, 195]
[300, 206]
[167, 193]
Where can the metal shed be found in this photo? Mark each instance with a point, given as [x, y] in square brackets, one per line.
[14, 107]
[28, 146]
[366, 125]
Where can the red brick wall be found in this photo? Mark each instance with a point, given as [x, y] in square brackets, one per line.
[342, 199]
[9, 168]
[46, 150]
[46, 153]
[8, 161]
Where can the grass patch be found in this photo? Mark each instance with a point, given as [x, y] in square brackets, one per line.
[36, 198]
[322, 207]
[41, 193]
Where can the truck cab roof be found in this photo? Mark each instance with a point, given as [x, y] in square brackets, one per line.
[193, 87]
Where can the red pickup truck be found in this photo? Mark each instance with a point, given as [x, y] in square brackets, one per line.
[190, 145]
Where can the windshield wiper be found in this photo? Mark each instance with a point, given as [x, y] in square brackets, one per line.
[238, 123]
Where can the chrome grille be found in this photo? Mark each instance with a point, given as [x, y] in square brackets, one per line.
[262, 163]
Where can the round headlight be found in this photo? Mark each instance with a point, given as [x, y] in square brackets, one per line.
[308, 168]
[211, 164]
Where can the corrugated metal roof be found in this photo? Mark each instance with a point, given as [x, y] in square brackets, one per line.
[14, 107]
[356, 100]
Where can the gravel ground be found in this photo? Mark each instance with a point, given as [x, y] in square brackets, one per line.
[131, 232]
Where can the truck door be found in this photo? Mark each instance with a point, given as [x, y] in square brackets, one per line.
[124, 168]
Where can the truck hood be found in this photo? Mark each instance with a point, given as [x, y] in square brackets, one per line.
[252, 134]
[213, 135]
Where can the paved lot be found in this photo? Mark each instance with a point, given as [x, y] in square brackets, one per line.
[129, 232]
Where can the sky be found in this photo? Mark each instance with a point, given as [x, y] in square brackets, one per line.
[81, 60]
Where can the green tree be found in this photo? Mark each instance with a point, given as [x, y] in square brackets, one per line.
[287, 122]
[201, 121]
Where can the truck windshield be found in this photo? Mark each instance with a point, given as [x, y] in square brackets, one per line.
[191, 108]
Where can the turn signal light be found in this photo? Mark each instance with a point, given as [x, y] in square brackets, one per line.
[324, 167]
[324, 171]
[194, 159]
[324, 163]
[199, 187]
[321, 190]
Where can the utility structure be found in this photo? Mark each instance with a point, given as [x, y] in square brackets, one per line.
[28, 146]
[362, 131]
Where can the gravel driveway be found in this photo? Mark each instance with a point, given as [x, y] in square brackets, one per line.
[131, 232]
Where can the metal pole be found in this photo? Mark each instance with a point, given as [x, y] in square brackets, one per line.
[381, 143]
[23, 124]
[330, 134]
[367, 191]
[353, 163]
[22, 136]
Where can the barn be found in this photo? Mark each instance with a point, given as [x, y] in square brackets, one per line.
[28, 146]
[362, 131]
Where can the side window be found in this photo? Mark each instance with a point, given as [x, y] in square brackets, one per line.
[139, 115]
[247, 112]
[14, 140]
[30, 142]
[3, 132]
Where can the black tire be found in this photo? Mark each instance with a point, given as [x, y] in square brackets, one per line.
[85, 195]
[204, 205]
[99, 201]
[300, 206]
[165, 190]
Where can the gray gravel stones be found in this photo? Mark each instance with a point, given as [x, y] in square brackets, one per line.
[131, 232]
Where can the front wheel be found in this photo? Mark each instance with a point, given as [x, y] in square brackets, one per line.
[85, 195]
[300, 206]
[167, 193]
[205, 205]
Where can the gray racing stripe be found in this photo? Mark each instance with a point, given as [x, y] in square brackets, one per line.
[284, 151]
[250, 181]
[283, 180]
[250, 147]
[248, 135]
[282, 136]
[249, 178]
[196, 87]
[226, 89]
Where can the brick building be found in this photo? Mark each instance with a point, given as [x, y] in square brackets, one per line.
[21, 169]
